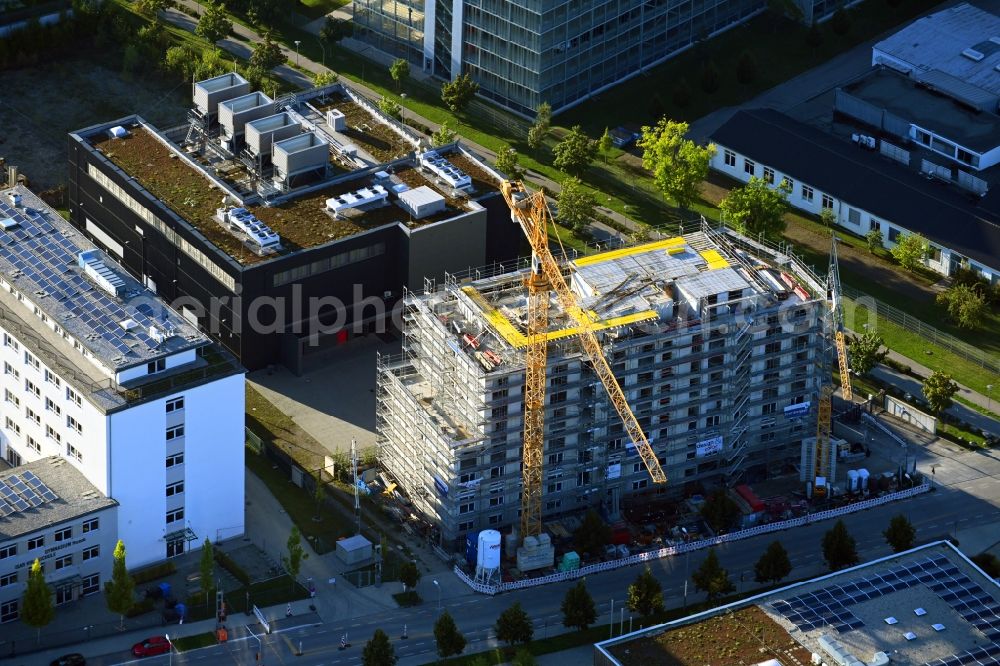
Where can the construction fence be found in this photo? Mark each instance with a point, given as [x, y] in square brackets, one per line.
[670, 551]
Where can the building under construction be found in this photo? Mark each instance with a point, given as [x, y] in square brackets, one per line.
[722, 347]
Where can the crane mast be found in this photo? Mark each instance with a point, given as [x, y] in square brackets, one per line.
[531, 213]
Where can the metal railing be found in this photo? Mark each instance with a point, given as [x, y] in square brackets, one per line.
[670, 551]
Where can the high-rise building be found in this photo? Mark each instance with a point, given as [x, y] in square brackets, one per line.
[526, 53]
[98, 370]
[718, 343]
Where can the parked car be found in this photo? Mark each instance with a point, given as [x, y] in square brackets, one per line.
[151, 646]
[73, 659]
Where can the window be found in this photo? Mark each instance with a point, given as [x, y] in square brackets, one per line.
[37, 542]
[52, 378]
[73, 424]
[8, 341]
[51, 405]
[468, 507]
[63, 562]
[893, 234]
[64, 534]
[159, 365]
[30, 387]
[807, 193]
[769, 408]
[91, 525]
[29, 359]
[175, 432]
[8, 551]
[730, 158]
[554, 487]
[555, 458]
[73, 396]
[8, 611]
[854, 216]
[52, 433]
[933, 253]
[175, 489]
[466, 526]
[788, 183]
[174, 460]
[91, 553]
[175, 515]
[749, 167]
[91, 584]
[827, 201]
[175, 405]
[8, 579]
[496, 501]
[8, 369]
[769, 175]
[873, 224]
[34, 444]
[13, 426]
[11, 398]
[641, 483]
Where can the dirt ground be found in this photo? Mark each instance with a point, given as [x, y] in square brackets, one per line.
[40, 105]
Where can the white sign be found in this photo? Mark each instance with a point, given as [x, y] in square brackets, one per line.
[708, 447]
[797, 411]
[260, 618]
[614, 472]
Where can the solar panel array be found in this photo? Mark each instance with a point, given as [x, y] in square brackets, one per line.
[44, 256]
[984, 655]
[23, 491]
[829, 605]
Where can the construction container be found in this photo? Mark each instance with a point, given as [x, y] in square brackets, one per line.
[300, 154]
[261, 134]
[421, 202]
[208, 93]
[235, 113]
[355, 550]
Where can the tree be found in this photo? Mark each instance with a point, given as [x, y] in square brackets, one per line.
[151, 8]
[507, 162]
[679, 165]
[645, 595]
[605, 144]
[773, 565]
[543, 116]
[514, 626]
[296, 553]
[535, 136]
[874, 240]
[746, 68]
[399, 70]
[938, 390]
[576, 205]
[711, 578]
[409, 574]
[757, 208]
[866, 351]
[965, 303]
[719, 511]
[593, 534]
[37, 602]
[379, 651]
[449, 639]
[457, 94]
[334, 30]
[827, 217]
[910, 251]
[325, 78]
[214, 24]
[390, 107]
[206, 567]
[575, 152]
[839, 547]
[711, 79]
[900, 533]
[444, 135]
[119, 590]
[578, 607]
[267, 54]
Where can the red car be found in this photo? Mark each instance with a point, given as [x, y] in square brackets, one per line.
[151, 646]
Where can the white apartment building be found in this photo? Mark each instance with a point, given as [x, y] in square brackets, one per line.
[50, 512]
[100, 371]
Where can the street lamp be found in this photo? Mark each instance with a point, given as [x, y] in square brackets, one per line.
[297, 42]
[322, 46]
[439, 595]
[170, 652]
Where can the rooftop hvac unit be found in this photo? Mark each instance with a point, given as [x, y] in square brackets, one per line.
[94, 267]
[263, 133]
[235, 113]
[300, 154]
[208, 93]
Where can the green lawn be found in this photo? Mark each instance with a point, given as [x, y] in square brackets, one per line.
[194, 642]
[314, 9]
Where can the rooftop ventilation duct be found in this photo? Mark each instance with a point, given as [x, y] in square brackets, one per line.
[92, 264]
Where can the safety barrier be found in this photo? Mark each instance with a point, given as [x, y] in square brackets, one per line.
[670, 551]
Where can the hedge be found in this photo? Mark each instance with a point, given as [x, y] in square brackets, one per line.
[230, 565]
[154, 572]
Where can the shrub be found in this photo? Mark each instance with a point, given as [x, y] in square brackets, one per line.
[230, 565]
[154, 572]
[141, 607]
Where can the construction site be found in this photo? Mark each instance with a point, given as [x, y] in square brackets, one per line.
[720, 349]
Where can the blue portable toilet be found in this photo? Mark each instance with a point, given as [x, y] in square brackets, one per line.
[471, 546]
[165, 590]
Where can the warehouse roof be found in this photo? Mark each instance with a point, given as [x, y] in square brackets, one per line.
[71, 496]
[868, 181]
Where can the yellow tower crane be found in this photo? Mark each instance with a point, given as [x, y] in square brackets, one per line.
[531, 213]
[825, 411]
